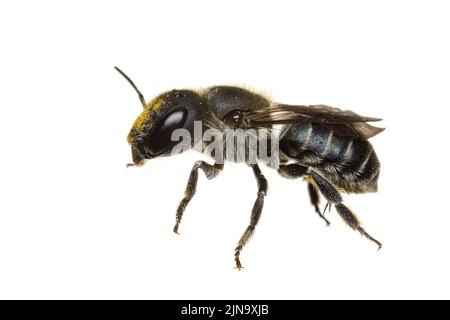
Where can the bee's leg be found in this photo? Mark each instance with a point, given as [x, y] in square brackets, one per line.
[292, 171]
[332, 195]
[256, 214]
[211, 171]
[314, 197]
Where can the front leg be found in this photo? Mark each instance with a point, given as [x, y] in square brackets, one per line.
[211, 171]
[256, 214]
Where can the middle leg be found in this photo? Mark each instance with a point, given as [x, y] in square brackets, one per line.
[256, 214]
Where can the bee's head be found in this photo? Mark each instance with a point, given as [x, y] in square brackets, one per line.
[151, 134]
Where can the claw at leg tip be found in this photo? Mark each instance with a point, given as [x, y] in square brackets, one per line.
[238, 265]
[239, 268]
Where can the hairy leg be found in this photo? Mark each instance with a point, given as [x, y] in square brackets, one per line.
[293, 171]
[330, 192]
[211, 171]
[256, 214]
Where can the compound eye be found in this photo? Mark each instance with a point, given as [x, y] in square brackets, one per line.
[160, 138]
[234, 118]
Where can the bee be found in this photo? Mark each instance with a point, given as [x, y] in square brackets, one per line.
[326, 146]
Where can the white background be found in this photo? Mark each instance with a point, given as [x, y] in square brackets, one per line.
[75, 223]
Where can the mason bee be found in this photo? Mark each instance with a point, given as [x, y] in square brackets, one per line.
[326, 146]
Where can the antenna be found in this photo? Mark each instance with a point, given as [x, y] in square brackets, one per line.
[141, 97]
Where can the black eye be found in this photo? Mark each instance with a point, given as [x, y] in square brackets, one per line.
[159, 139]
[234, 118]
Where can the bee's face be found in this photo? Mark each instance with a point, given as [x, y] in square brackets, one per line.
[150, 136]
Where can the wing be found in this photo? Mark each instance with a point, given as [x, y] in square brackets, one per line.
[346, 123]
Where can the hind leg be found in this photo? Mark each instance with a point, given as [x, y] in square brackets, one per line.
[293, 171]
[332, 195]
[314, 197]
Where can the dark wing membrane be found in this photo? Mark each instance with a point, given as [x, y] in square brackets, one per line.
[346, 123]
[316, 113]
[355, 130]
